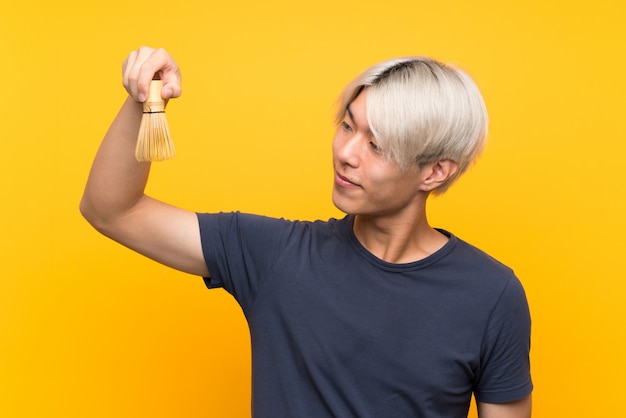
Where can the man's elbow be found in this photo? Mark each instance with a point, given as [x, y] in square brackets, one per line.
[90, 212]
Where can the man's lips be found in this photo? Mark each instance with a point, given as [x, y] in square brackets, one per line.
[345, 181]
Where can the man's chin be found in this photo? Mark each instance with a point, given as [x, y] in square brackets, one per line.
[341, 204]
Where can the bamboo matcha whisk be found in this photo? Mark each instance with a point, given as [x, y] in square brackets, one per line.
[154, 142]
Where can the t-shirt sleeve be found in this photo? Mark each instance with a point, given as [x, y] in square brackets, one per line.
[239, 250]
[504, 374]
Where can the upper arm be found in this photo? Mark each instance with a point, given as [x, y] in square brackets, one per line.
[516, 409]
[164, 233]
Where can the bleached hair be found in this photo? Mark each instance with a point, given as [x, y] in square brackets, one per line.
[421, 111]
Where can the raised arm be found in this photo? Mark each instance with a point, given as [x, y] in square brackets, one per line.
[114, 201]
[517, 409]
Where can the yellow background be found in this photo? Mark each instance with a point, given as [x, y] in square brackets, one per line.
[90, 329]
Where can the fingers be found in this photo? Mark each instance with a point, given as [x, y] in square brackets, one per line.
[145, 64]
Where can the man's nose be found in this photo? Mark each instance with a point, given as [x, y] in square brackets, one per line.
[349, 150]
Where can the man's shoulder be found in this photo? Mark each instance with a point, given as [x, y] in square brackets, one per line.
[475, 262]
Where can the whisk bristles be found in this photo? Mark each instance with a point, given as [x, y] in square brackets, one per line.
[154, 142]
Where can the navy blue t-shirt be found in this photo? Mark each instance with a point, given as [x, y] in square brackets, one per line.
[337, 332]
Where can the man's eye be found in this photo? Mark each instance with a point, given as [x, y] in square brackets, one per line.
[346, 127]
[374, 146]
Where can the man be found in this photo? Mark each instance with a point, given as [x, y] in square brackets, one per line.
[374, 315]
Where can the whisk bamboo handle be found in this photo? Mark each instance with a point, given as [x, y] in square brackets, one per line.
[154, 103]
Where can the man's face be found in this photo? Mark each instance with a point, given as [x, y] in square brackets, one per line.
[367, 183]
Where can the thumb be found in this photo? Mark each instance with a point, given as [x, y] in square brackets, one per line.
[171, 87]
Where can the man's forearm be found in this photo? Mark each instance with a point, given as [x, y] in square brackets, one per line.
[116, 181]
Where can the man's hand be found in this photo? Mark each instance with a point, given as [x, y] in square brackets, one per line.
[144, 65]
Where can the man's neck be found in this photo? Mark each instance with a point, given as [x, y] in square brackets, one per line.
[398, 240]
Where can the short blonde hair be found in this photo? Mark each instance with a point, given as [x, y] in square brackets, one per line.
[421, 111]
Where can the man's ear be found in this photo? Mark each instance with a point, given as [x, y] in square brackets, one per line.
[436, 173]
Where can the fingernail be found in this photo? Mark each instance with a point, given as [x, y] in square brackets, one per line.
[141, 97]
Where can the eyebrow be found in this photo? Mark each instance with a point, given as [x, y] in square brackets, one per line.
[349, 112]
[351, 116]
